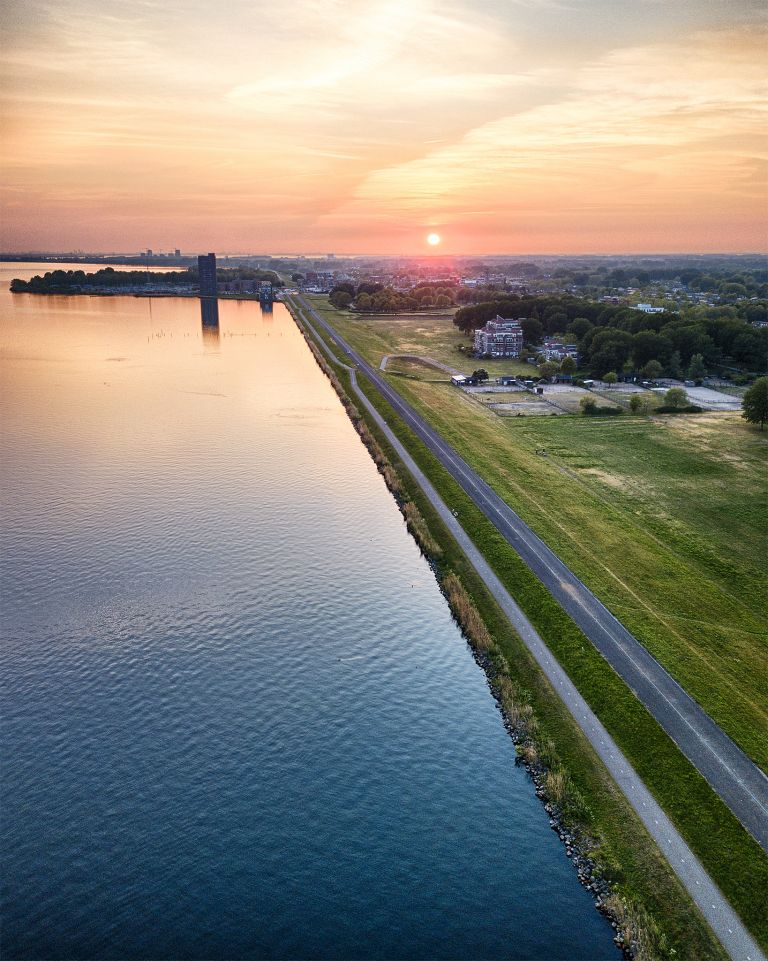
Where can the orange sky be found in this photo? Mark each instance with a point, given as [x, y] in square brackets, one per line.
[356, 126]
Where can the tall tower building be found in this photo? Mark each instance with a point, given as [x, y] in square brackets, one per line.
[206, 271]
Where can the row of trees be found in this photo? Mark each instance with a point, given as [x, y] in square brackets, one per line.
[375, 298]
[56, 281]
[63, 280]
[627, 340]
[244, 273]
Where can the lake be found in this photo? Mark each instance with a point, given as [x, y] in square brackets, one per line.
[239, 720]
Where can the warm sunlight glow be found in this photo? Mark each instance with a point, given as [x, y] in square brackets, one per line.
[593, 127]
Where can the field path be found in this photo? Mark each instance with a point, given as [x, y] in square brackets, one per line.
[422, 360]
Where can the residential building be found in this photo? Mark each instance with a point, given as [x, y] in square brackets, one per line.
[501, 337]
[648, 309]
[554, 350]
[206, 272]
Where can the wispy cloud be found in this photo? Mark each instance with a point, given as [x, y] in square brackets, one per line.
[363, 119]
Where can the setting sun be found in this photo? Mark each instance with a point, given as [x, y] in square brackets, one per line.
[433, 239]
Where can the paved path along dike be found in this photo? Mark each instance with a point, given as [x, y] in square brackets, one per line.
[722, 762]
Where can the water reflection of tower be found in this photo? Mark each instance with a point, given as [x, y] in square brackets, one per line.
[209, 315]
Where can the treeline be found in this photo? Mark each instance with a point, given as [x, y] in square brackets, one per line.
[68, 281]
[243, 273]
[56, 281]
[625, 340]
[739, 282]
[376, 298]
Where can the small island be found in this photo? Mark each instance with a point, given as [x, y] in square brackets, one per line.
[240, 281]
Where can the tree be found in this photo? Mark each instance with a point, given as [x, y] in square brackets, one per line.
[611, 377]
[579, 327]
[588, 405]
[755, 406]
[341, 299]
[548, 369]
[653, 370]
[648, 345]
[608, 350]
[568, 366]
[674, 364]
[690, 339]
[532, 330]
[676, 397]
[348, 287]
[481, 374]
[698, 369]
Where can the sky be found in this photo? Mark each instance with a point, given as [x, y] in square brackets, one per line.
[361, 126]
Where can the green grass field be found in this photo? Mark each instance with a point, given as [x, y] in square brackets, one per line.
[430, 334]
[663, 518]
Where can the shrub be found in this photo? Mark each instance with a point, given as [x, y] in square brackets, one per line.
[688, 409]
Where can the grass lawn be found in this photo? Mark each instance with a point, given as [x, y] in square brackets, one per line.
[430, 334]
[663, 518]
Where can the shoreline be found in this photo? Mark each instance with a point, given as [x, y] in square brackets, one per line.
[577, 843]
[136, 293]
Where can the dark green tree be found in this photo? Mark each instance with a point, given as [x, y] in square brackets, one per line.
[341, 299]
[697, 370]
[533, 330]
[578, 327]
[755, 406]
[653, 370]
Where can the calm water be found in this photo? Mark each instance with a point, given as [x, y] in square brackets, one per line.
[239, 721]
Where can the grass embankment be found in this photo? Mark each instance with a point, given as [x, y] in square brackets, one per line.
[730, 854]
[648, 898]
[663, 518]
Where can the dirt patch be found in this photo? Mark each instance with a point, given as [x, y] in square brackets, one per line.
[524, 409]
[611, 480]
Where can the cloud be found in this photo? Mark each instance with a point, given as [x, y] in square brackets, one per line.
[336, 114]
[628, 121]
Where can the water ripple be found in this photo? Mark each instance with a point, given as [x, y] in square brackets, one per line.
[239, 720]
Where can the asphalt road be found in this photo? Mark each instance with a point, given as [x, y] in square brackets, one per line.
[731, 774]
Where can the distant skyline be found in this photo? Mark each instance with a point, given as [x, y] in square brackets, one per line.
[361, 127]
